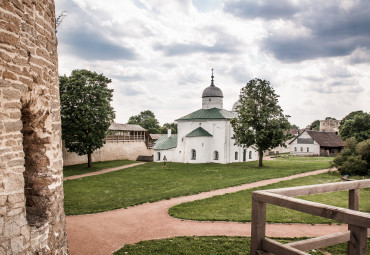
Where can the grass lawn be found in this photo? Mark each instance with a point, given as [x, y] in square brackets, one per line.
[210, 245]
[96, 166]
[151, 182]
[237, 206]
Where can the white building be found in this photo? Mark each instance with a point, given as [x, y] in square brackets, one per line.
[204, 135]
[316, 143]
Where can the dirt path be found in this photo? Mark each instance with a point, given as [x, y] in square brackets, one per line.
[104, 233]
[102, 171]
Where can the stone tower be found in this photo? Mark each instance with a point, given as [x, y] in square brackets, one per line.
[32, 219]
[330, 125]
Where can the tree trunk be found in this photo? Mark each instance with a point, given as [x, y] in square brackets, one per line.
[260, 156]
[89, 161]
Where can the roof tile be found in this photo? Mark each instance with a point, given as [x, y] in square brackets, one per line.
[326, 139]
[126, 127]
[198, 132]
[213, 113]
[166, 143]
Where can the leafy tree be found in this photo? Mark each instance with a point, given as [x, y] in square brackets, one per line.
[166, 126]
[357, 125]
[294, 130]
[294, 126]
[354, 159]
[147, 120]
[349, 116]
[330, 118]
[260, 119]
[85, 111]
[315, 125]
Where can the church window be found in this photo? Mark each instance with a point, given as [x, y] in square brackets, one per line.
[209, 100]
[193, 154]
[216, 155]
[236, 155]
[159, 156]
[301, 149]
[295, 148]
[308, 149]
[250, 155]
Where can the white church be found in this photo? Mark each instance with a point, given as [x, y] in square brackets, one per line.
[204, 135]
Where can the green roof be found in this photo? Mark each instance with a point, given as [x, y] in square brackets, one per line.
[198, 132]
[166, 143]
[213, 113]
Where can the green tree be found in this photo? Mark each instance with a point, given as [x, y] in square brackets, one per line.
[166, 126]
[260, 120]
[147, 120]
[85, 111]
[349, 116]
[357, 125]
[315, 125]
[294, 126]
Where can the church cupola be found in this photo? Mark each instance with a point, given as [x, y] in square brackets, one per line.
[212, 96]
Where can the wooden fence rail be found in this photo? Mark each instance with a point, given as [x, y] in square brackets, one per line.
[358, 222]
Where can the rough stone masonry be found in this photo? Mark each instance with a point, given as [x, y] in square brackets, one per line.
[32, 219]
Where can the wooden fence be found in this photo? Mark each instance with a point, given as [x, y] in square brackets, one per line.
[358, 222]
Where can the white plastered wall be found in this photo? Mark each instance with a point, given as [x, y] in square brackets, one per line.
[205, 147]
[162, 153]
[301, 149]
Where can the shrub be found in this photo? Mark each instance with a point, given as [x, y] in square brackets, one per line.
[354, 159]
[354, 165]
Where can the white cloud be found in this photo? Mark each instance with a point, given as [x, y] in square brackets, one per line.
[159, 54]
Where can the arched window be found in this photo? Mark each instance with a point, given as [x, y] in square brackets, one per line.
[236, 155]
[216, 155]
[158, 156]
[193, 154]
[250, 154]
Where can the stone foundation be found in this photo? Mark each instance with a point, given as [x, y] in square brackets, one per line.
[31, 188]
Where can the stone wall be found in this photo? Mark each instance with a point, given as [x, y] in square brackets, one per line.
[110, 151]
[32, 219]
[330, 125]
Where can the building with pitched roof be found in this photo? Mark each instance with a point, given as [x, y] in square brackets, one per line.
[204, 135]
[316, 143]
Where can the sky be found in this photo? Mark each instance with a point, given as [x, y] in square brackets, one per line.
[159, 54]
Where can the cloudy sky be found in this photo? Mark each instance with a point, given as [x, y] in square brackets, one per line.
[159, 54]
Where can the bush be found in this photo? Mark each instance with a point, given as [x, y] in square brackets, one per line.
[354, 159]
[363, 149]
[354, 165]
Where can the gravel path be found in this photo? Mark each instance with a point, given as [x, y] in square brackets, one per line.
[104, 233]
[102, 171]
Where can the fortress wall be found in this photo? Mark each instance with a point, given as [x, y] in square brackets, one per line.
[110, 151]
[31, 188]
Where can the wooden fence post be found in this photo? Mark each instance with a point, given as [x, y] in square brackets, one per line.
[358, 239]
[258, 225]
[354, 199]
